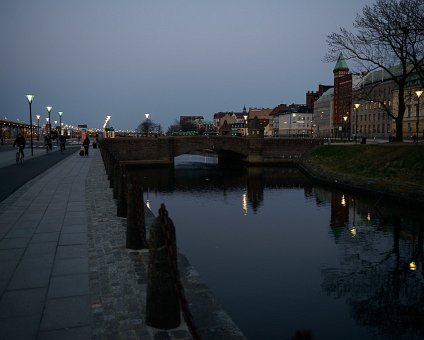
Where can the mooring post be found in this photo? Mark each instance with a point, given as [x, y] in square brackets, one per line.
[116, 176]
[136, 225]
[162, 303]
[121, 209]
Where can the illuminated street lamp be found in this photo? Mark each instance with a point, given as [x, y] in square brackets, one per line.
[245, 124]
[49, 108]
[418, 93]
[38, 127]
[60, 123]
[345, 126]
[147, 123]
[357, 105]
[30, 98]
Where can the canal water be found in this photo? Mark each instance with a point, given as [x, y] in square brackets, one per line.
[283, 255]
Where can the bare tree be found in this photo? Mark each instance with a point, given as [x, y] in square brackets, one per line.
[388, 37]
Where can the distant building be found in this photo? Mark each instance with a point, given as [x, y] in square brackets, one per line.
[312, 96]
[323, 115]
[189, 119]
[342, 98]
[265, 119]
[231, 123]
[295, 120]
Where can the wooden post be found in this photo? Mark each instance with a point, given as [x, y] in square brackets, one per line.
[162, 303]
[136, 225]
[121, 209]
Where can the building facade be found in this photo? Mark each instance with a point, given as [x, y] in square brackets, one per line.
[342, 98]
[323, 115]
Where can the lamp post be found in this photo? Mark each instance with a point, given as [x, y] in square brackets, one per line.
[30, 98]
[357, 105]
[245, 124]
[147, 123]
[49, 108]
[38, 127]
[345, 126]
[60, 122]
[418, 93]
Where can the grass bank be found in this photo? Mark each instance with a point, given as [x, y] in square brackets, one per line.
[396, 169]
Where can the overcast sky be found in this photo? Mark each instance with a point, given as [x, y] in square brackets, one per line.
[92, 58]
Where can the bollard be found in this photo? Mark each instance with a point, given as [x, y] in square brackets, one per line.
[162, 303]
[115, 181]
[136, 225]
[121, 209]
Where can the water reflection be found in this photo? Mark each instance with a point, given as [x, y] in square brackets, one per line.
[381, 268]
[284, 255]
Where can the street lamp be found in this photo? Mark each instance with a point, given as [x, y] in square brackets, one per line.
[60, 122]
[38, 127]
[147, 123]
[357, 105]
[245, 124]
[49, 108]
[418, 93]
[345, 127]
[30, 98]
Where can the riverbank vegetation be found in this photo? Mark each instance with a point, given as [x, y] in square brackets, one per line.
[394, 168]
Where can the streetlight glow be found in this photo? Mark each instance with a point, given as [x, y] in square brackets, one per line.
[60, 122]
[49, 108]
[418, 93]
[30, 98]
[38, 126]
[357, 105]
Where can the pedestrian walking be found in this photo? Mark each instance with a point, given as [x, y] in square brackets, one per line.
[86, 144]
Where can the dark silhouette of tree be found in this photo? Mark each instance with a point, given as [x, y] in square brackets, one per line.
[389, 36]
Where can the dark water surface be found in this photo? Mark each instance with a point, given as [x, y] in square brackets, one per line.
[282, 254]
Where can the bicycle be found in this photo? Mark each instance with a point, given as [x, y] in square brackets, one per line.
[19, 155]
[48, 147]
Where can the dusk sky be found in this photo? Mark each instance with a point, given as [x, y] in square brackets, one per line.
[92, 58]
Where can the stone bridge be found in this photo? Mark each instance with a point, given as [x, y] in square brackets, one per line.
[246, 150]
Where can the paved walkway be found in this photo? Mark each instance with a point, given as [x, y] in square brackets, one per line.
[65, 272]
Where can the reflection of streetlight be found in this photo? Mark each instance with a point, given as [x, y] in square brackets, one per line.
[244, 203]
[418, 93]
[357, 105]
[38, 127]
[30, 97]
[60, 123]
[49, 108]
[353, 229]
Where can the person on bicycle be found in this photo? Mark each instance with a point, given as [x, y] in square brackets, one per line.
[48, 142]
[62, 140]
[20, 143]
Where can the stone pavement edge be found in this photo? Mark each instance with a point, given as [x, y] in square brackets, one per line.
[65, 272]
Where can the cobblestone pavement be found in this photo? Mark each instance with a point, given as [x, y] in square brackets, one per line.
[118, 277]
[65, 272]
